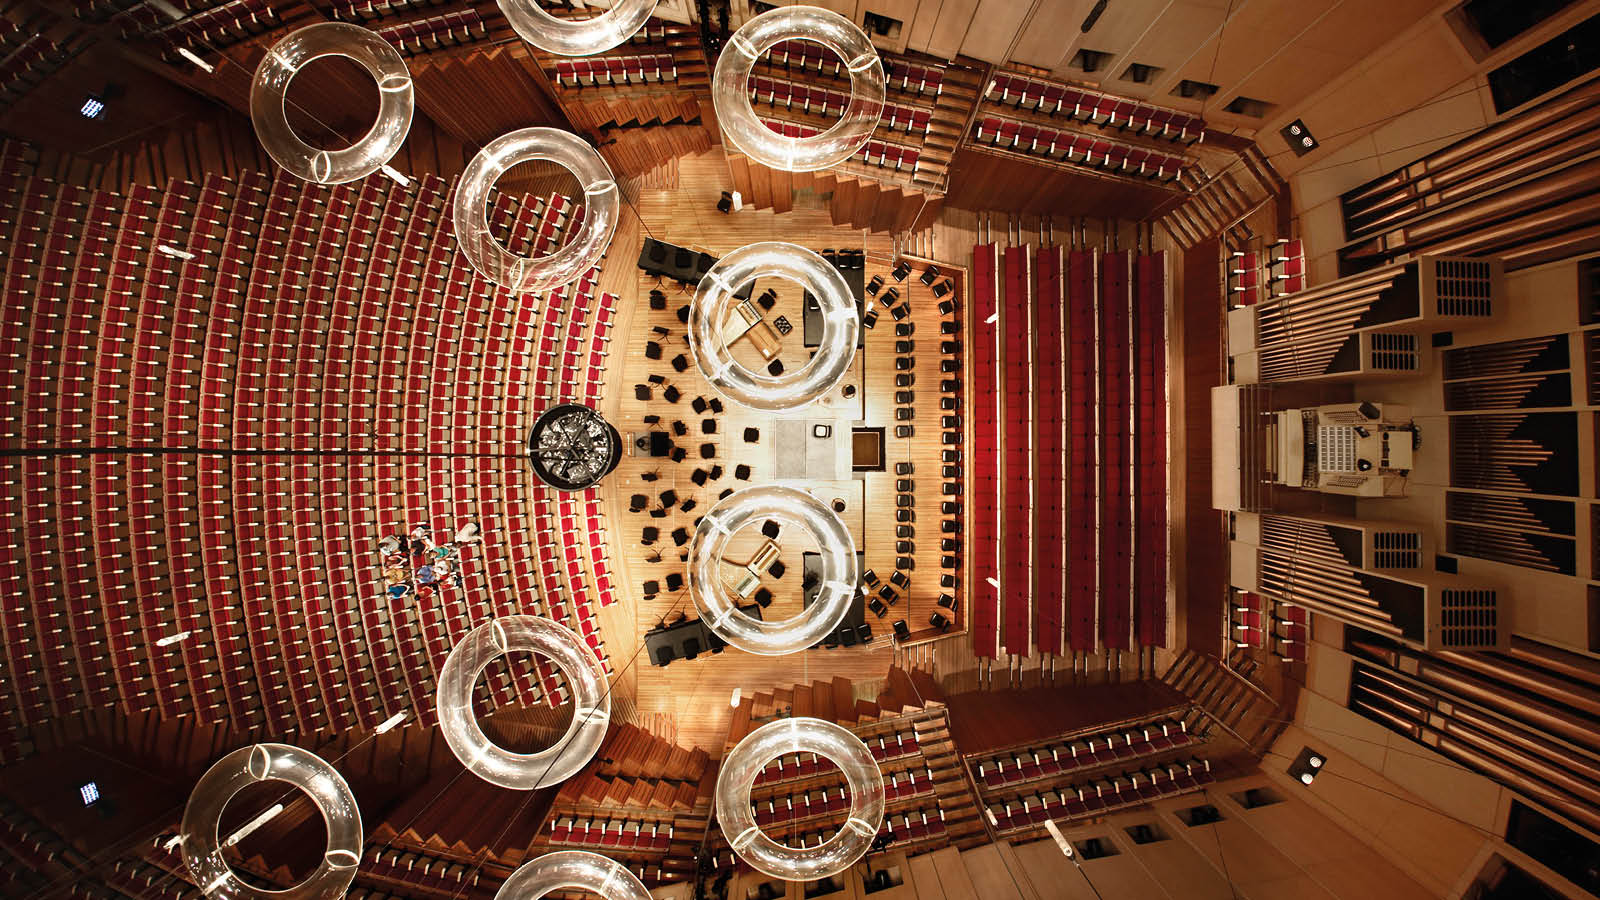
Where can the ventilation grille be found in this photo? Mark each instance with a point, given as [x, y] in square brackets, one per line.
[1461, 287]
[1394, 352]
[1468, 619]
[1396, 550]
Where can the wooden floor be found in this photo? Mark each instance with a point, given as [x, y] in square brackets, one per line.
[696, 692]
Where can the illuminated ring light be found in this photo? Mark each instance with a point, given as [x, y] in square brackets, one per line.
[578, 255]
[572, 870]
[730, 89]
[591, 702]
[800, 735]
[284, 61]
[787, 506]
[202, 846]
[713, 308]
[577, 37]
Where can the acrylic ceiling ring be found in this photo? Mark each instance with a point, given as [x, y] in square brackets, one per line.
[572, 870]
[577, 37]
[580, 253]
[794, 510]
[800, 735]
[715, 306]
[285, 60]
[730, 89]
[202, 846]
[591, 701]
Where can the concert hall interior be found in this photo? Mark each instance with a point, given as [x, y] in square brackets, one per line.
[449, 432]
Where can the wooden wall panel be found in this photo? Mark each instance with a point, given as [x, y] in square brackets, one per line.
[980, 180]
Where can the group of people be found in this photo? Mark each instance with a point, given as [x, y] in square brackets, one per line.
[415, 563]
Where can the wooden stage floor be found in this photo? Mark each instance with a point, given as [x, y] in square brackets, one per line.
[689, 700]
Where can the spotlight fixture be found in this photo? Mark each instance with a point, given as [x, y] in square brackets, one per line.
[1299, 138]
[1307, 765]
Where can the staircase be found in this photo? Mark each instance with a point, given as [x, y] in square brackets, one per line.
[1227, 698]
[951, 110]
[1219, 203]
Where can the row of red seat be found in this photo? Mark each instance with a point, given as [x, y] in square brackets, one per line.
[778, 92]
[1085, 149]
[1084, 450]
[435, 32]
[1150, 449]
[621, 833]
[1102, 796]
[913, 825]
[897, 786]
[1017, 378]
[1049, 451]
[257, 315]
[1267, 622]
[792, 767]
[216, 27]
[647, 69]
[28, 58]
[1093, 106]
[442, 877]
[1115, 450]
[873, 153]
[1258, 274]
[983, 495]
[1082, 752]
[1082, 481]
[898, 74]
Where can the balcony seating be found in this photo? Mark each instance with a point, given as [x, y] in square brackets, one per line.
[1079, 148]
[436, 32]
[1081, 753]
[1071, 102]
[1101, 796]
[616, 70]
[873, 153]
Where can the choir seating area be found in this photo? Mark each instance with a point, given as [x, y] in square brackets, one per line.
[1070, 438]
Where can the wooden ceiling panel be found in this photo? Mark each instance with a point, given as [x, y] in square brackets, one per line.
[1290, 76]
[993, 28]
[1170, 39]
[1358, 27]
[953, 18]
[1049, 39]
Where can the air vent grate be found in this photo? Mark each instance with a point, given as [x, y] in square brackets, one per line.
[1394, 352]
[1396, 550]
[1468, 619]
[1462, 286]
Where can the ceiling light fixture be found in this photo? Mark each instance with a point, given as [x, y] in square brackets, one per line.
[269, 89]
[730, 89]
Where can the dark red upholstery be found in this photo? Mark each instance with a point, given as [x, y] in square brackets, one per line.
[1116, 458]
[1050, 463]
[983, 494]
